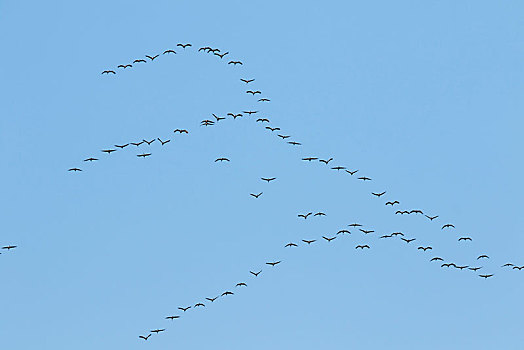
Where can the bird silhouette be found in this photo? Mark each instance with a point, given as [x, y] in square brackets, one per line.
[218, 118]
[74, 169]
[392, 203]
[253, 92]
[151, 57]
[447, 225]
[145, 338]
[184, 308]
[109, 71]
[437, 259]
[108, 151]
[464, 239]
[221, 55]
[415, 211]
[169, 51]
[386, 236]
[486, 276]
[273, 263]
[362, 246]
[184, 45]
[181, 131]
[425, 248]
[366, 231]
[338, 168]
[408, 240]
[149, 142]
[291, 244]
[124, 66]
[304, 215]
[137, 143]
[272, 129]
[354, 225]
[431, 218]
[227, 293]
[309, 159]
[235, 116]
[351, 172]
[172, 317]
[378, 194]
[284, 136]
[222, 160]
[9, 247]
[256, 195]
[402, 212]
[363, 178]
[264, 100]
[157, 331]
[320, 214]
[329, 239]
[91, 159]
[235, 63]
[397, 234]
[122, 146]
[343, 231]
[294, 143]
[143, 155]
[262, 120]
[268, 179]
[309, 242]
[163, 142]
[212, 299]
[483, 256]
[241, 284]
[247, 81]
[255, 273]
[139, 60]
[199, 305]
[325, 161]
[474, 268]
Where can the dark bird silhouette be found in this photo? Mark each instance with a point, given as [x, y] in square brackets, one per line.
[431, 218]
[284, 136]
[212, 299]
[181, 131]
[407, 240]
[184, 308]
[264, 100]
[140, 60]
[247, 81]
[272, 129]
[363, 178]
[329, 239]
[464, 239]
[294, 143]
[253, 92]
[256, 195]
[222, 160]
[402, 212]
[255, 273]
[169, 51]
[415, 211]
[508, 264]
[518, 267]
[486, 276]
[367, 231]
[448, 265]
[482, 256]
[362, 246]
[309, 159]
[319, 214]
[184, 45]
[268, 179]
[262, 120]
[304, 215]
[108, 151]
[343, 231]
[199, 305]
[122, 146]
[227, 293]
[172, 317]
[378, 194]
[250, 112]
[397, 234]
[235, 62]
[354, 225]
[325, 161]
[207, 122]
[221, 55]
[240, 284]
[90, 159]
[218, 118]
[309, 242]
[143, 155]
[235, 115]
[337, 168]
[74, 169]
[392, 203]
[447, 225]
[461, 267]
[124, 66]
[157, 330]
[163, 142]
[386, 236]
[109, 71]
[425, 248]
[291, 244]
[204, 48]
[145, 338]
[273, 263]
[149, 142]
[351, 172]
[151, 57]
[474, 268]
[9, 247]
[437, 259]
[137, 143]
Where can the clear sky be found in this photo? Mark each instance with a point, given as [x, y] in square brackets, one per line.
[423, 97]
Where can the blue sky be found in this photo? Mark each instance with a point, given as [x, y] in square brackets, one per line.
[422, 97]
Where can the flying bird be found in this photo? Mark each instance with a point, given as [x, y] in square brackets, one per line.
[145, 338]
[212, 299]
[157, 330]
[253, 92]
[294, 143]
[378, 194]
[291, 244]
[109, 71]
[392, 203]
[319, 214]
[122, 146]
[184, 308]
[227, 293]
[351, 172]
[325, 161]
[222, 160]
[74, 169]
[397, 234]
[362, 246]
[386, 236]
[268, 179]
[124, 66]
[402, 212]
[447, 225]
[363, 178]
[183, 45]
[163, 142]
[151, 57]
[309, 159]
[337, 168]
[437, 259]
[199, 304]
[235, 115]
[425, 248]
[181, 131]
[272, 129]
[9, 247]
[262, 120]
[329, 239]
[304, 215]
[255, 273]
[169, 51]
[221, 55]
[367, 231]
[431, 218]
[140, 60]
[474, 268]
[172, 317]
[250, 112]
[309, 242]
[235, 62]
[218, 118]
[143, 155]
[482, 256]
[284, 136]
[415, 211]
[256, 195]
[241, 284]
[108, 151]
[264, 100]
[247, 81]
[90, 159]
[149, 142]
[408, 240]
[486, 276]
[273, 263]
[465, 239]
[137, 143]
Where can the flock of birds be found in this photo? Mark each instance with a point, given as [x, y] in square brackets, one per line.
[347, 230]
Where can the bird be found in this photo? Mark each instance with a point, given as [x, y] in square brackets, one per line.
[172, 317]
[402, 212]
[218, 118]
[255, 273]
[262, 120]
[448, 265]
[461, 267]
[320, 214]
[139, 60]
[222, 160]
[291, 244]
[9, 247]
[143, 155]
[145, 338]
[392, 203]
[437, 259]
[184, 45]
[431, 218]
[221, 55]
[367, 231]
[386, 236]
[74, 169]
[268, 179]
[294, 143]
[235, 62]
[137, 143]
[240, 284]
[397, 234]
[108, 151]
[362, 246]
[247, 81]
[447, 225]
[264, 100]
[415, 211]
[351, 172]
[256, 195]
[124, 66]
[273, 263]
[204, 48]
[354, 225]
[337, 168]
[253, 92]
[378, 194]
[235, 115]
[363, 178]
[304, 215]
[407, 240]
[122, 146]
[163, 142]
[207, 122]
[90, 159]
[109, 71]
[151, 57]
[474, 268]
[227, 293]
[329, 239]
[149, 142]
[212, 299]
[425, 248]
[518, 267]
[184, 308]
[309, 242]
[199, 304]
[465, 239]
[486, 276]
[157, 330]
[169, 51]
[343, 231]
[284, 136]
[482, 256]
[325, 161]
[309, 159]
[181, 131]
[272, 129]
[508, 264]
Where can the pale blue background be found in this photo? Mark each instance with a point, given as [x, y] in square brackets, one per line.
[425, 97]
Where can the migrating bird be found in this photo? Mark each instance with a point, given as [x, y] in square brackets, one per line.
[325, 161]
[241, 284]
[268, 179]
[304, 215]
[157, 330]
[386, 236]
[74, 169]
[227, 293]
[273, 263]
[255, 273]
[212, 299]
[320, 214]
[264, 100]
[351, 172]
[122, 146]
[235, 62]
[272, 129]
[139, 60]
[518, 267]
[367, 231]
[378, 194]
[222, 160]
[108, 151]
[309, 242]
[137, 143]
[145, 338]
[424, 248]
[199, 304]
[408, 240]
[431, 218]
[163, 142]
[283, 136]
[337, 168]
[172, 317]
[291, 244]
[184, 308]
[263, 120]
[415, 211]
[143, 155]
[397, 234]
[362, 246]
[218, 118]
[181, 131]
[151, 57]
[482, 256]
[329, 239]
[90, 159]
[354, 225]
[207, 122]
[309, 159]
[447, 225]
[461, 267]
[437, 259]
[392, 203]
[221, 55]
[363, 178]
[250, 112]
[402, 212]
[109, 71]
[294, 143]
[486, 276]
[256, 195]
[253, 92]
[9, 247]
[183, 45]
[508, 264]
[169, 51]
[448, 265]
[149, 142]
[235, 115]
[124, 66]
[247, 81]
[465, 239]
[474, 268]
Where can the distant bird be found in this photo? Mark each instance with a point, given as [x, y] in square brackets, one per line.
[108, 151]
[256, 195]
[255, 273]
[362, 246]
[247, 81]
[518, 267]
[262, 120]
[402, 212]
[212, 299]
[363, 178]
[397, 234]
[465, 239]
[227, 293]
[272, 129]
[448, 265]
[149, 142]
[9, 247]
[482, 256]
[304, 215]
[309, 159]
[415, 211]
[447, 225]
[351, 172]
[273, 263]
[184, 308]
[508, 264]
[218, 118]
[222, 160]
[319, 214]
[140, 60]
[74, 169]
[354, 225]
[408, 240]
[122, 146]
[283, 136]
[137, 143]
[169, 51]
[461, 267]
[474, 268]
[437, 259]
[264, 100]
[221, 55]
[378, 194]
[157, 330]
[294, 143]
[207, 122]
[291, 244]
[145, 338]
[204, 48]
[250, 112]
[235, 115]
[386, 236]
[486, 276]
[337, 168]
[109, 71]
[183, 45]
[253, 92]
[90, 159]
[268, 179]
[329, 239]
[325, 161]
[181, 131]
[172, 317]
[392, 203]
[425, 248]
[235, 62]
[143, 155]
[431, 218]
[163, 142]
[124, 66]
[367, 231]
[309, 242]
[199, 305]
[241, 284]
[151, 57]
